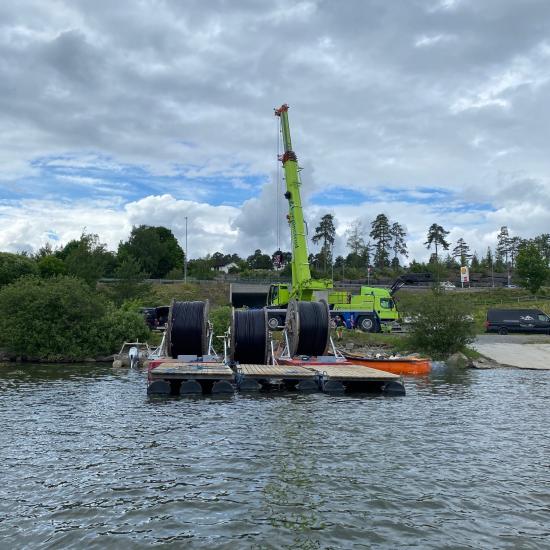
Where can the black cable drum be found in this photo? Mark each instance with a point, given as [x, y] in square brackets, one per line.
[314, 328]
[249, 336]
[188, 335]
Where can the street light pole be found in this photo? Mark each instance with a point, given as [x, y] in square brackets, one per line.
[185, 263]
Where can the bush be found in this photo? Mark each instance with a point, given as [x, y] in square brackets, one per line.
[220, 319]
[14, 266]
[49, 266]
[62, 318]
[441, 324]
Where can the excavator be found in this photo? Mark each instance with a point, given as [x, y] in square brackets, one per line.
[373, 310]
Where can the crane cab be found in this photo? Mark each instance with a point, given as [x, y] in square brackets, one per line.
[278, 295]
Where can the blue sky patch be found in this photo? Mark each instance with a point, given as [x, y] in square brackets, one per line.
[87, 175]
[338, 195]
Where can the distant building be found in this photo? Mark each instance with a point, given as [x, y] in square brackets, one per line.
[225, 268]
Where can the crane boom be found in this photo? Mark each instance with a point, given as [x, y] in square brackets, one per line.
[302, 283]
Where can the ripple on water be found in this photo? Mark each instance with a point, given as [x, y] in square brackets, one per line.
[460, 462]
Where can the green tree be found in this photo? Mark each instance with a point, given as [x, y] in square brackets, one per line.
[503, 245]
[462, 252]
[14, 266]
[356, 238]
[441, 324]
[85, 258]
[382, 237]
[488, 262]
[220, 319]
[49, 266]
[543, 244]
[436, 236]
[474, 264]
[399, 245]
[155, 248]
[258, 260]
[515, 243]
[531, 267]
[325, 232]
[62, 318]
[129, 284]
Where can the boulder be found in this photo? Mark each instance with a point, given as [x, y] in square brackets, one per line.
[458, 360]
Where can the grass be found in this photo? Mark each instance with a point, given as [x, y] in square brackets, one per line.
[217, 293]
[394, 342]
[481, 301]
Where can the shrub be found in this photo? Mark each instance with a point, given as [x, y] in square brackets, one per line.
[62, 318]
[49, 266]
[220, 319]
[441, 324]
[13, 266]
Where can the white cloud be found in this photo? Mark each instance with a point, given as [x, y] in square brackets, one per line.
[182, 93]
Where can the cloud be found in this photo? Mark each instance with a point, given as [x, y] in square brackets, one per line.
[432, 109]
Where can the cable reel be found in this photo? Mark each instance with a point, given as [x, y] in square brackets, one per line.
[249, 336]
[187, 329]
[307, 328]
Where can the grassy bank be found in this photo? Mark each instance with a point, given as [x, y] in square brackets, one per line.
[480, 301]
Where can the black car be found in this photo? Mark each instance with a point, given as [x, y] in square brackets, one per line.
[150, 316]
[504, 321]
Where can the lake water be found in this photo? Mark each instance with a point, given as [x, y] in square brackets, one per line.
[87, 460]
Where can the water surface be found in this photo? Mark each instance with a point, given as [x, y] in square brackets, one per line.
[86, 459]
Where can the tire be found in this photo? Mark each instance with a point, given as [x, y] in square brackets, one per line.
[503, 331]
[366, 324]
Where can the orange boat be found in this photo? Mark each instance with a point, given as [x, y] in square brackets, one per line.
[398, 365]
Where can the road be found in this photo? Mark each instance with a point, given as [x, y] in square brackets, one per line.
[524, 351]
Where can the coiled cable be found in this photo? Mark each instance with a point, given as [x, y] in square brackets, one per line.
[249, 336]
[314, 328]
[188, 328]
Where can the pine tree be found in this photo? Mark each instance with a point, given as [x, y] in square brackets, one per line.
[325, 232]
[543, 244]
[474, 264]
[356, 239]
[515, 243]
[462, 252]
[436, 236]
[503, 245]
[381, 234]
[399, 245]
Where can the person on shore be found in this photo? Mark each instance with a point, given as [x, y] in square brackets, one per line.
[340, 326]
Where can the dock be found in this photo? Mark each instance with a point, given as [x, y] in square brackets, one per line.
[196, 378]
[187, 378]
[349, 377]
[266, 377]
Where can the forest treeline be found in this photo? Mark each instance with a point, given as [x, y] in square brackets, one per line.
[379, 250]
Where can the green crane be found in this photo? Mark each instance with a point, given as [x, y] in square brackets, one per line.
[303, 286]
[371, 310]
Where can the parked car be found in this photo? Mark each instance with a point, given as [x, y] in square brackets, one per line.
[504, 321]
[511, 286]
[447, 285]
[150, 316]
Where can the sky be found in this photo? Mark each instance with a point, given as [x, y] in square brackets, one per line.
[117, 114]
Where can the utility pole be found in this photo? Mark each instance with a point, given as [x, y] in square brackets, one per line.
[493, 273]
[185, 263]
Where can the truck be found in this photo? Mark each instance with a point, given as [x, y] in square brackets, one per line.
[504, 321]
[372, 310]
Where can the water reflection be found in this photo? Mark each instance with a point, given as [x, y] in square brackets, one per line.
[290, 502]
